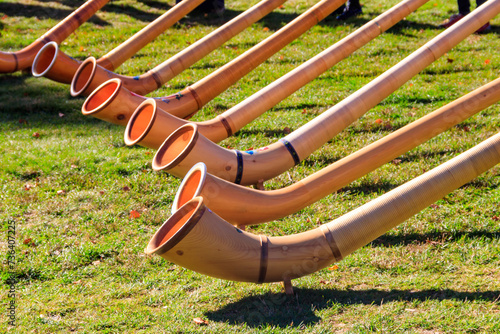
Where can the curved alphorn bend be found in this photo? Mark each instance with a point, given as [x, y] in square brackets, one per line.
[23, 59]
[185, 147]
[242, 206]
[196, 238]
[149, 125]
[52, 63]
[114, 103]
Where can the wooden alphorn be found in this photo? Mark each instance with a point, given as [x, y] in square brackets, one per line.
[149, 125]
[52, 63]
[196, 238]
[191, 99]
[241, 205]
[89, 75]
[250, 167]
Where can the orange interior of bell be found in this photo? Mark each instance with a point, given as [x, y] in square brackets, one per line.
[100, 96]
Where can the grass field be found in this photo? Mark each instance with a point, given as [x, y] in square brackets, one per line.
[69, 185]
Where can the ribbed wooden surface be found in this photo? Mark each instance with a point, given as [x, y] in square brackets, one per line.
[200, 240]
[250, 206]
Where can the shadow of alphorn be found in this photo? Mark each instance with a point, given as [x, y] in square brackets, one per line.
[196, 238]
[113, 103]
[185, 147]
[241, 205]
[23, 59]
[149, 125]
[52, 63]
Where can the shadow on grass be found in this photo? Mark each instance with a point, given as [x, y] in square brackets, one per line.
[436, 237]
[41, 12]
[24, 103]
[280, 310]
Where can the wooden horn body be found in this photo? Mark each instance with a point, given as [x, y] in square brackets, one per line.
[240, 205]
[196, 238]
[251, 167]
[23, 59]
[86, 80]
[191, 99]
[112, 103]
[52, 63]
[149, 125]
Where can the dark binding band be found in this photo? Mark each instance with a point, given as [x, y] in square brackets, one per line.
[17, 62]
[196, 97]
[291, 150]
[264, 250]
[157, 80]
[331, 242]
[226, 125]
[239, 169]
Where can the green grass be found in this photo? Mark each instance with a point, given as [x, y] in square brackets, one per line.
[80, 262]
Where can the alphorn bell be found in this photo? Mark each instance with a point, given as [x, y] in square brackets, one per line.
[52, 63]
[185, 147]
[241, 205]
[192, 98]
[23, 59]
[196, 238]
[149, 125]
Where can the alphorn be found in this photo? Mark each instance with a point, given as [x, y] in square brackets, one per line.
[149, 125]
[185, 147]
[242, 206]
[196, 238]
[89, 76]
[52, 63]
[120, 104]
[23, 59]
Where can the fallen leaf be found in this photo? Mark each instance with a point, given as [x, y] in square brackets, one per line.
[134, 214]
[200, 321]
[27, 241]
[334, 267]
[495, 218]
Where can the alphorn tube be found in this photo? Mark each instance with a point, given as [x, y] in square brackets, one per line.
[52, 63]
[241, 206]
[149, 125]
[196, 238]
[191, 99]
[89, 76]
[23, 59]
[255, 166]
